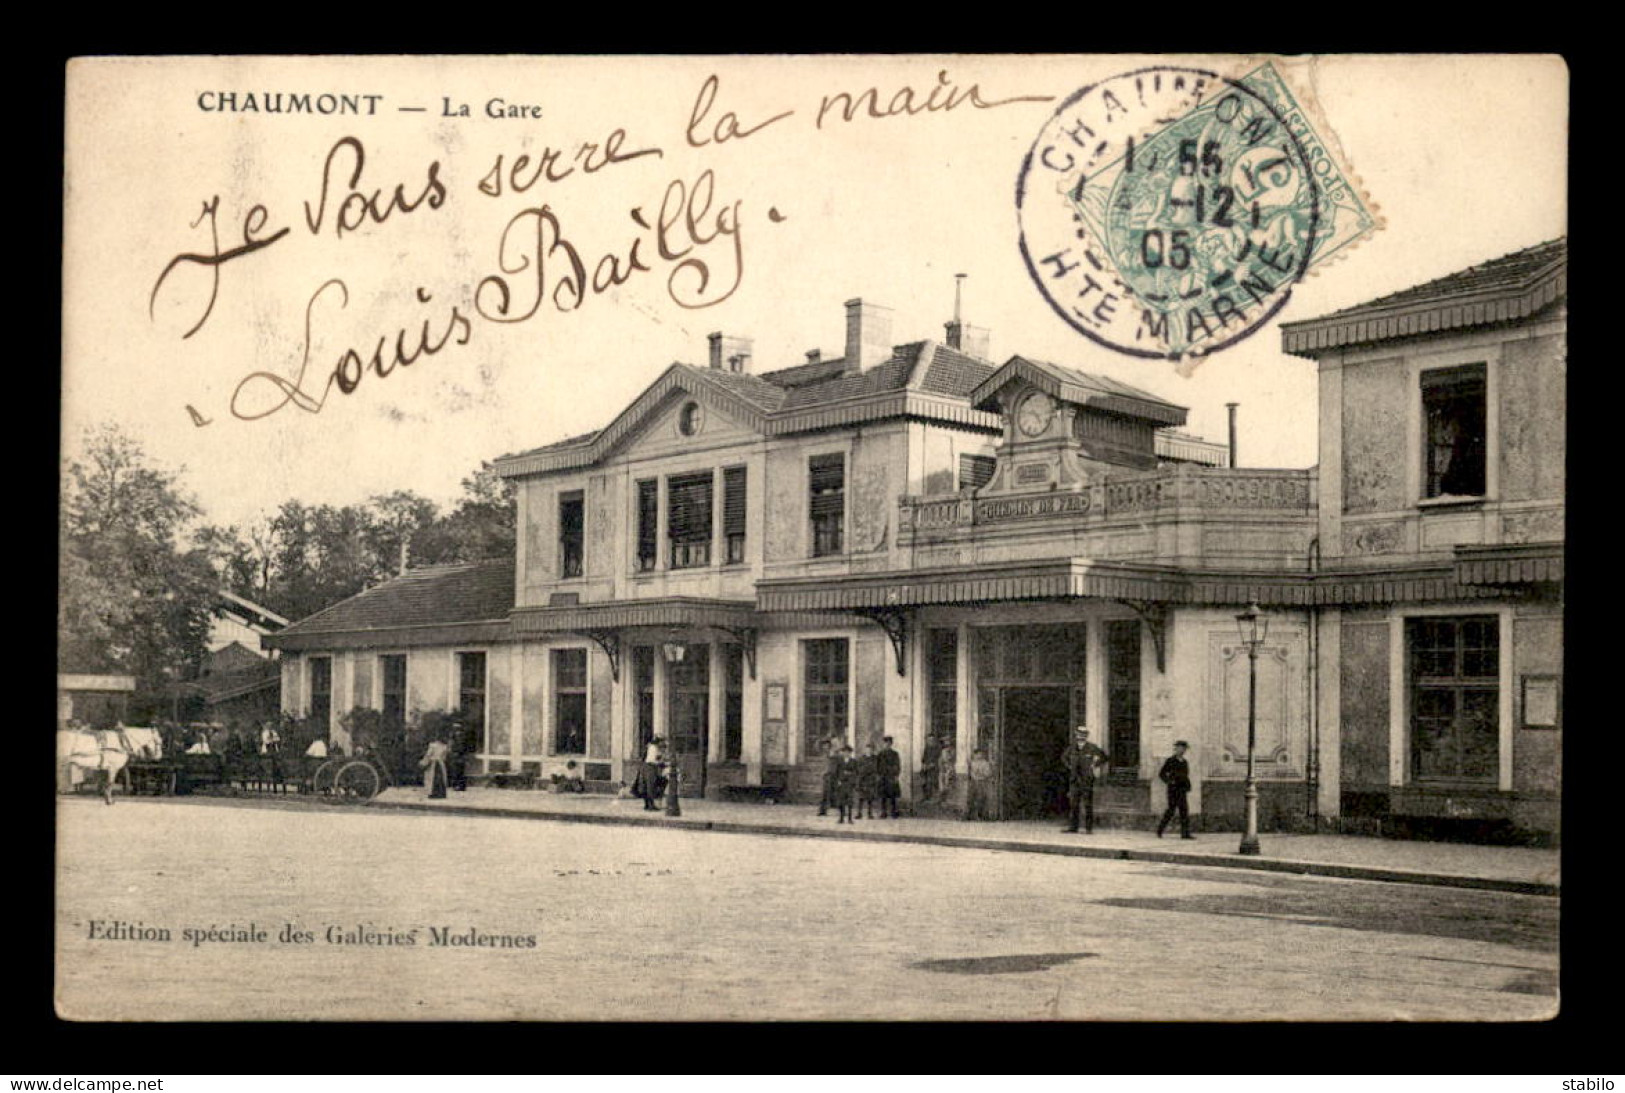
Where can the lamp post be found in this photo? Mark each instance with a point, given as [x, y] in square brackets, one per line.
[1254, 627]
[674, 652]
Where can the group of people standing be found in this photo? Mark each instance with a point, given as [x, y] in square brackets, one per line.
[852, 783]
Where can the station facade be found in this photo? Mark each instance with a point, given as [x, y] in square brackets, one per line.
[913, 541]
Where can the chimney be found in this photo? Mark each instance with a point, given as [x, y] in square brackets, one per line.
[729, 352]
[973, 341]
[868, 335]
[967, 339]
[1231, 406]
[814, 356]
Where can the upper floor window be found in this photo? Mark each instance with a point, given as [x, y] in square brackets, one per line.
[975, 471]
[826, 487]
[688, 519]
[1454, 424]
[572, 533]
[733, 514]
[648, 524]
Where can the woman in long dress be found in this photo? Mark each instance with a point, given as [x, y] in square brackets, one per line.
[433, 765]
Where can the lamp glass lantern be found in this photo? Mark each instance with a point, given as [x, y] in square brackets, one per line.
[1253, 626]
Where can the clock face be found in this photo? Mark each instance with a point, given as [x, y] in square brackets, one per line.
[1032, 416]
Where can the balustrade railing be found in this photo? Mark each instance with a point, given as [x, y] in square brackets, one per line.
[1193, 490]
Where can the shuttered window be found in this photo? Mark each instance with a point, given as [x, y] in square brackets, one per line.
[733, 513]
[648, 523]
[975, 471]
[688, 519]
[826, 487]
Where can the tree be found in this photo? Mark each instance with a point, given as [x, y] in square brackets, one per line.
[129, 598]
[399, 521]
[481, 526]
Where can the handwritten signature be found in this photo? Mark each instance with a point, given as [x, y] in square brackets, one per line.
[534, 245]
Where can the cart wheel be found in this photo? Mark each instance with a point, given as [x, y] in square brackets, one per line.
[322, 780]
[357, 781]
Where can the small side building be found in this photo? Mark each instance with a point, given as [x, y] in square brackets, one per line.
[1441, 533]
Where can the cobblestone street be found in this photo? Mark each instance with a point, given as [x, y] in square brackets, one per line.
[654, 924]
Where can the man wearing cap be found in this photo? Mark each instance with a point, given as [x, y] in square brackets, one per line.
[1081, 760]
[1176, 775]
[649, 779]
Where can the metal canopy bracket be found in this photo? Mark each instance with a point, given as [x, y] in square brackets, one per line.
[610, 642]
[746, 637]
[893, 620]
[1154, 613]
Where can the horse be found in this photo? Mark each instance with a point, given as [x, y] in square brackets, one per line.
[105, 751]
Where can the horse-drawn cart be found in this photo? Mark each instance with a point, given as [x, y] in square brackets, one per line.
[351, 778]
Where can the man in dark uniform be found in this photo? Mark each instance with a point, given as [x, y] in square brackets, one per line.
[832, 769]
[889, 769]
[1176, 775]
[846, 783]
[1081, 760]
[868, 783]
[460, 746]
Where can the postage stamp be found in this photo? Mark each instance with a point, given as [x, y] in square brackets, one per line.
[1167, 212]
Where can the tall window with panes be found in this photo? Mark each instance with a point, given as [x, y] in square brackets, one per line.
[826, 488]
[392, 674]
[824, 690]
[569, 701]
[1455, 669]
[321, 691]
[688, 519]
[471, 689]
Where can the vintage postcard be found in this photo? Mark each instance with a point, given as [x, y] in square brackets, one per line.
[961, 537]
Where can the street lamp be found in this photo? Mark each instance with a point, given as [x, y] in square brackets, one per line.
[1254, 627]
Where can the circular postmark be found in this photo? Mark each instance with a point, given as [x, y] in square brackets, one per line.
[1167, 212]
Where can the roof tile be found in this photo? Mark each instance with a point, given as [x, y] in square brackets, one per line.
[431, 596]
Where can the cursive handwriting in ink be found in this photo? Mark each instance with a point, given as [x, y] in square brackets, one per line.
[356, 207]
[589, 157]
[350, 367]
[727, 127]
[535, 244]
[252, 223]
[946, 95]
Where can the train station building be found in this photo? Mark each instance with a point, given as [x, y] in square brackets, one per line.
[911, 540]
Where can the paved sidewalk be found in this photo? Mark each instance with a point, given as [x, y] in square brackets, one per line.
[1501, 868]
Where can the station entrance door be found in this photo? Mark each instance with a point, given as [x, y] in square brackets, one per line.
[1030, 691]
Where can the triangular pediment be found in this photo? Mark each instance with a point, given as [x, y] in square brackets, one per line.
[684, 410]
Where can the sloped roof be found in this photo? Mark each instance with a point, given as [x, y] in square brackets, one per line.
[787, 400]
[1503, 289]
[1084, 388]
[438, 596]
